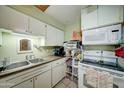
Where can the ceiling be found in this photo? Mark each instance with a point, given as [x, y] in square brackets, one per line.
[66, 14]
[42, 7]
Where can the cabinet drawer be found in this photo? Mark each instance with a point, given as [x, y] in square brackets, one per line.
[12, 81]
[25, 84]
[58, 62]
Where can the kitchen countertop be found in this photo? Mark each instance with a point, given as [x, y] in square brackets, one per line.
[47, 59]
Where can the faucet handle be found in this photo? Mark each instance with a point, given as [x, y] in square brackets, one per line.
[26, 57]
[32, 56]
[6, 61]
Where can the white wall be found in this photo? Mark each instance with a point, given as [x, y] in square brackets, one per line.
[70, 28]
[9, 48]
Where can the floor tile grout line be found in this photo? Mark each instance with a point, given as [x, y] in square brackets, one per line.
[67, 86]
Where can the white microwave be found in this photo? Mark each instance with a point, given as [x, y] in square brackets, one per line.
[102, 36]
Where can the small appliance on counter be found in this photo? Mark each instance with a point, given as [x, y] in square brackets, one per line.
[72, 46]
[59, 51]
[119, 52]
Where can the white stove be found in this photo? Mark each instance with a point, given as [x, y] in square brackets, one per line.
[101, 62]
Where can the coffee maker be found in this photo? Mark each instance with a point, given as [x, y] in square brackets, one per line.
[59, 51]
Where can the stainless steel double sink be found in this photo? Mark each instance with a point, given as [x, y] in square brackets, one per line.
[24, 63]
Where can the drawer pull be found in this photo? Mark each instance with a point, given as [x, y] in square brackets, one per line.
[35, 78]
[30, 80]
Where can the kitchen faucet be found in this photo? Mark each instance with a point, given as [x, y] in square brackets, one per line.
[5, 62]
[28, 57]
[32, 56]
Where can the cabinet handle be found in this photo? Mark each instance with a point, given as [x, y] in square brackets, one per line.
[30, 80]
[35, 78]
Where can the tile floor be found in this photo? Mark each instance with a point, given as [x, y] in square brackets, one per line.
[66, 83]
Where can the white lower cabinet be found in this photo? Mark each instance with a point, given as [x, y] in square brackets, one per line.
[43, 80]
[45, 76]
[56, 75]
[25, 84]
[63, 69]
[58, 71]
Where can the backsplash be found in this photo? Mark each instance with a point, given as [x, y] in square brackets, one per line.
[101, 47]
[9, 48]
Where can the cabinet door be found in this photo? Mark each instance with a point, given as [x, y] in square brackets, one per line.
[43, 80]
[63, 70]
[13, 20]
[60, 37]
[3, 83]
[56, 74]
[25, 84]
[36, 27]
[110, 14]
[89, 17]
[51, 36]
[0, 38]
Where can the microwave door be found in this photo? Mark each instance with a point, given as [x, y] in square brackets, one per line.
[94, 36]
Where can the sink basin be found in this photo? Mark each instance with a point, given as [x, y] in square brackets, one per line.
[36, 60]
[16, 65]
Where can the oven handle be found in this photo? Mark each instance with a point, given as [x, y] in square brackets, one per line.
[118, 77]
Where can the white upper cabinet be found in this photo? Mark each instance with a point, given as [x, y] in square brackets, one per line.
[36, 27]
[54, 36]
[110, 14]
[60, 37]
[89, 17]
[0, 38]
[51, 36]
[13, 20]
[102, 15]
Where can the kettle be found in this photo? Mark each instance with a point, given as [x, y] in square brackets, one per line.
[119, 52]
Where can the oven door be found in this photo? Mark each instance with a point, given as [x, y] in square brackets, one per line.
[118, 79]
